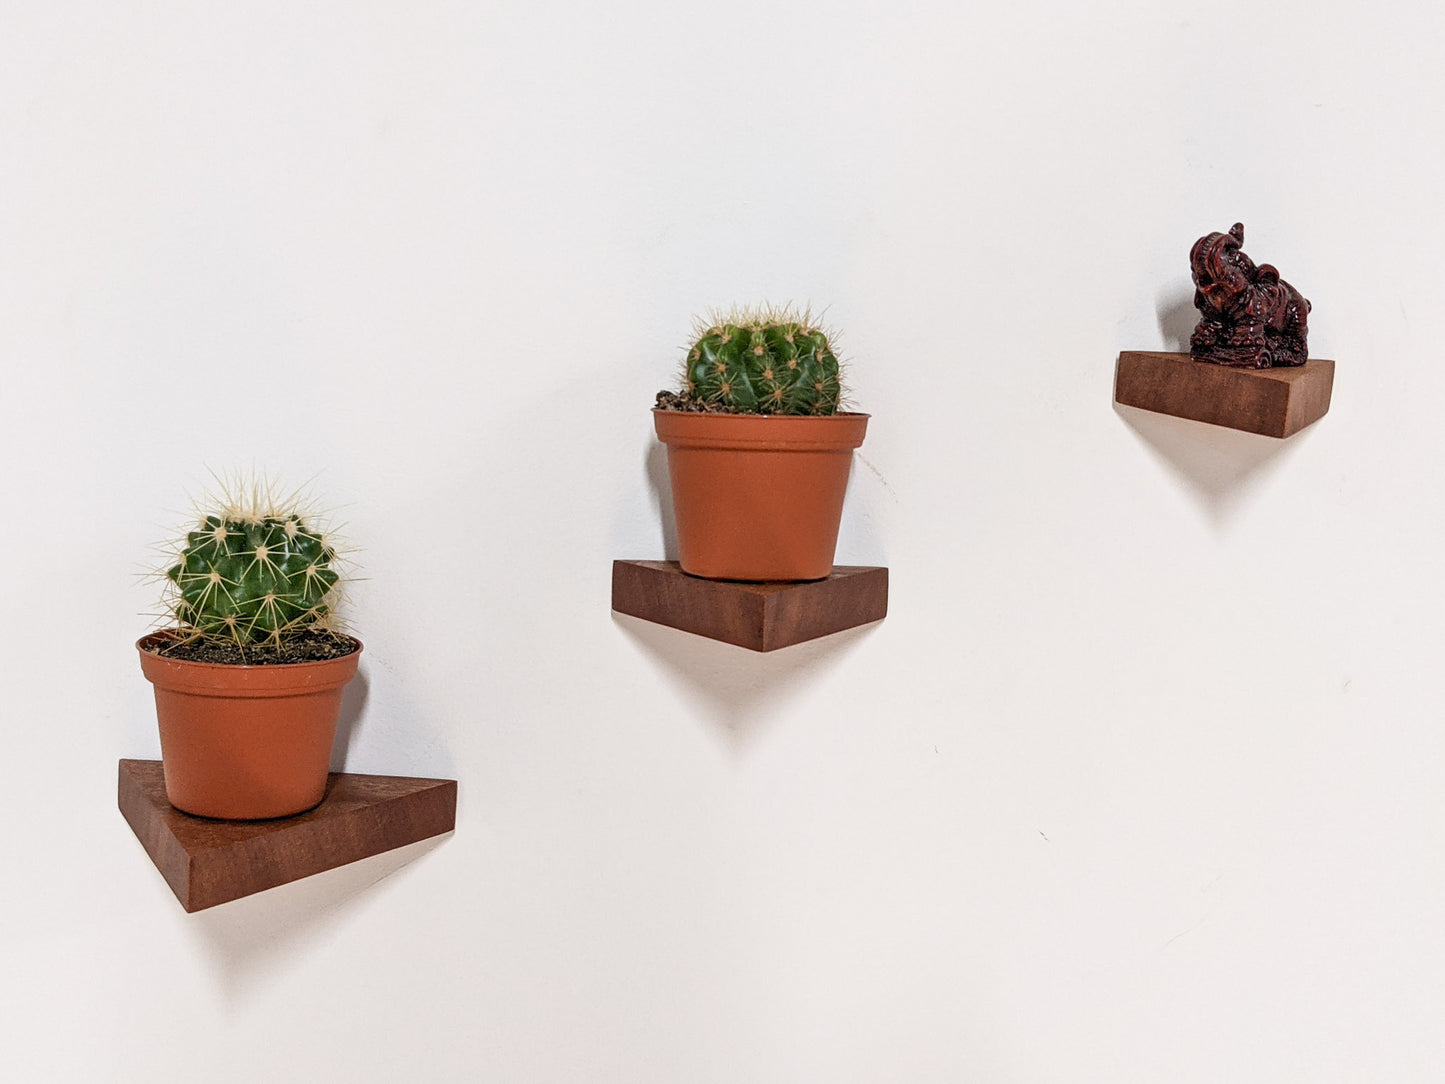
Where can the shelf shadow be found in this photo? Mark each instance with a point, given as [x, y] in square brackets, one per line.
[256, 936]
[738, 691]
[1219, 465]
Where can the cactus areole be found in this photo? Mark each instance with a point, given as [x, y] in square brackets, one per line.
[248, 682]
[758, 451]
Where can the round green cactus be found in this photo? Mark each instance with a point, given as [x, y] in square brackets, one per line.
[253, 574]
[764, 363]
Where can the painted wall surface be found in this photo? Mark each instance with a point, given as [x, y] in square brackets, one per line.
[1138, 782]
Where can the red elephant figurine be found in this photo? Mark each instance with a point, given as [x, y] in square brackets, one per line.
[1249, 318]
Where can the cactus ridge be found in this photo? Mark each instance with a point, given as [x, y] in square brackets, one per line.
[253, 571]
[765, 361]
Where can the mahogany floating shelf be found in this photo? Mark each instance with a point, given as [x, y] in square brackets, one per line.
[758, 616]
[1272, 402]
[207, 862]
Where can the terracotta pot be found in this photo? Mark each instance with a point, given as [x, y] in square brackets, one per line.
[246, 742]
[758, 496]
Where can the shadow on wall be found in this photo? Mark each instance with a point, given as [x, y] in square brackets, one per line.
[662, 491]
[250, 939]
[736, 690]
[1177, 317]
[406, 738]
[353, 704]
[1220, 466]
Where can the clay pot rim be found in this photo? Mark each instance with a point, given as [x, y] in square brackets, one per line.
[754, 415]
[780, 433]
[146, 642]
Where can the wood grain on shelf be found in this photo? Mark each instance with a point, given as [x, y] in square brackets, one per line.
[1272, 402]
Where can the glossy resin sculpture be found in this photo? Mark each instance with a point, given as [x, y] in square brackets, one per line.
[1249, 318]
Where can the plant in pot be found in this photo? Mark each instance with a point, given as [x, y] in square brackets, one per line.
[758, 451]
[249, 674]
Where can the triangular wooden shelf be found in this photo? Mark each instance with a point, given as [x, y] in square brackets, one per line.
[758, 616]
[207, 862]
[1270, 402]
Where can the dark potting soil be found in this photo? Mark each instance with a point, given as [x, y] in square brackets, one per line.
[313, 645]
[671, 400]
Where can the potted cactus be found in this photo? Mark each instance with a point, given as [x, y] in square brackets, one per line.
[758, 451]
[249, 673]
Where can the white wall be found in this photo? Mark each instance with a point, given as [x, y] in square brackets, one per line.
[1138, 780]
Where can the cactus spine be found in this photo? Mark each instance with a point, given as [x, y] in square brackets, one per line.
[253, 571]
[763, 362]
